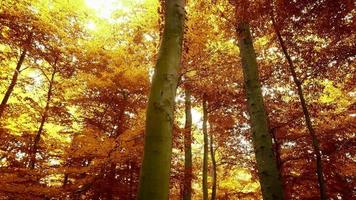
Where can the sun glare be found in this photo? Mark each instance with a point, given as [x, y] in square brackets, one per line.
[105, 8]
[91, 25]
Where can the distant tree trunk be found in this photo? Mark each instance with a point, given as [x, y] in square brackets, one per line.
[116, 133]
[111, 181]
[206, 150]
[268, 172]
[298, 84]
[131, 182]
[154, 177]
[43, 121]
[213, 161]
[187, 186]
[276, 149]
[65, 179]
[10, 89]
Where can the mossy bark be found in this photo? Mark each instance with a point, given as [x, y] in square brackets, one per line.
[271, 184]
[155, 171]
[298, 84]
[206, 150]
[187, 187]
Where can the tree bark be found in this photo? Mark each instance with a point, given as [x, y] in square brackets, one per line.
[268, 172]
[11, 87]
[65, 180]
[111, 181]
[187, 187]
[206, 150]
[276, 149]
[116, 133]
[298, 84]
[131, 182]
[43, 121]
[213, 162]
[155, 171]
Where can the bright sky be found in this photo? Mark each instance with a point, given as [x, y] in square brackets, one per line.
[105, 8]
[197, 117]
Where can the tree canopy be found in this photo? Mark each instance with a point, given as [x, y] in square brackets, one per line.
[178, 99]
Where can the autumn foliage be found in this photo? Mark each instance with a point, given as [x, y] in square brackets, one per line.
[75, 84]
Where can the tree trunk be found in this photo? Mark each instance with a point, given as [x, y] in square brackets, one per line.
[206, 150]
[65, 179]
[213, 162]
[187, 187]
[271, 185]
[43, 121]
[298, 84]
[10, 89]
[115, 134]
[276, 149]
[155, 171]
[131, 182]
[111, 181]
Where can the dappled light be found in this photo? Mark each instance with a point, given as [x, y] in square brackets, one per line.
[177, 99]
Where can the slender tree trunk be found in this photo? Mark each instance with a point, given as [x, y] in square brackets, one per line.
[43, 121]
[120, 118]
[111, 181]
[155, 171]
[276, 149]
[187, 187]
[131, 193]
[298, 84]
[213, 162]
[116, 133]
[65, 179]
[206, 150]
[271, 184]
[10, 89]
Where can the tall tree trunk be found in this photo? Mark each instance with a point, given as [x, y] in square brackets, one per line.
[43, 121]
[10, 89]
[155, 171]
[271, 184]
[213, 162]
[187, 187]
[298, 84]
[206, 150]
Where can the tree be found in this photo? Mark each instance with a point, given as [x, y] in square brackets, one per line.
[213, 162]
[154, 178]
[205, 150]
[13, 83]
[187, 193]
[90, 143]
[298, 84]
[44, 116]
[271, 184]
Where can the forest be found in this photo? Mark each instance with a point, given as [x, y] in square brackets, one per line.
[177, 99]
